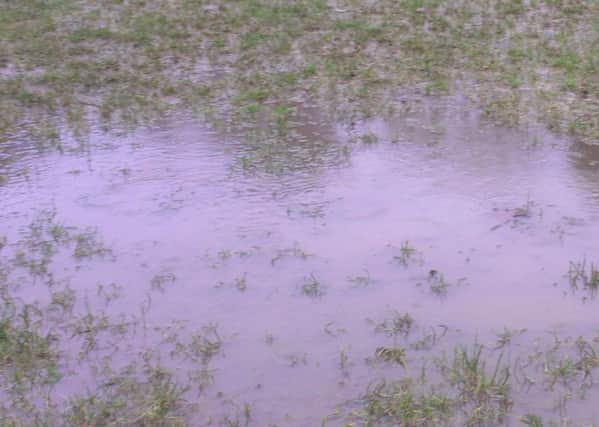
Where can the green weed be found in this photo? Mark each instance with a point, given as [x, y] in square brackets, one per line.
[312, 287]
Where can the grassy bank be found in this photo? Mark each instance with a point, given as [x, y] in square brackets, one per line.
[122, 63]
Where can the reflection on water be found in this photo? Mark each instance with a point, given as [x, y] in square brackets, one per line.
[499, 213]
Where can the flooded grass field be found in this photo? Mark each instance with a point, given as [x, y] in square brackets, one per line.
[299, 213]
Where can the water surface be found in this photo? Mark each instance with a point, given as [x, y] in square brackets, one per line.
[498, 213]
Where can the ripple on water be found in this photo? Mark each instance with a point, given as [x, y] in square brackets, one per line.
[506, 210]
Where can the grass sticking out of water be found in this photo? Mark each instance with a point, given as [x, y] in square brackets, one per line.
[437, 283]
[506, 337]
[392, 355]
[532, 420]
[162, 280]
[361, 280]
[406, 253]
[293, 252]
[159, 374]
[46, 344]
[457, 389]
[398, 324]
[312, 287]
[401, 404]
[26, 356]
[484, 395]
[154, 400]
[584, 277]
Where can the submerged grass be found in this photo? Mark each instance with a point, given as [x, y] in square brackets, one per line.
[67, 358]
[584, 277]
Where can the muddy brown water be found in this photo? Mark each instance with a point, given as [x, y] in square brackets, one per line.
[170, 197]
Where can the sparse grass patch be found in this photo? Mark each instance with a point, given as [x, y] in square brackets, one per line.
[130, 62]
[398, 324]
[585, 277]
[155, 400]
[406, 253]
[505, 337]
[25, 355]
[392, 354]
[161, 280]
[293, 252]
[437, 283]
[532, 420]
[402, 404]
[484, 395]
[361, 279]
[345, 53]
[87, 245]
[312, 287]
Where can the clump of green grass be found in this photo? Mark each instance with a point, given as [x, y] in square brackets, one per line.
[293, 252]
[398, 324]
[403, 404]
[369, 138]
[584, 276]
[532, 420]
[406, 253]
[203, 346]
[471, 386]
[361, 280]
[312, 287]
[505, 337]
[282, 114]
[155, 399]
[561, 371]
[392, 354]
[45, 237]
[430, 338]
[569, 368]
[224, 255]
[484, 396]
[333, 331]
[297, 359]
[524, 211]
[161, 280]
[587, 358]
[344, 361]
[26, 356]
[437, 283]
[239, 283]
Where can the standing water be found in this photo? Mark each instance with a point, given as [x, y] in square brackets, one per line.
[284, 290]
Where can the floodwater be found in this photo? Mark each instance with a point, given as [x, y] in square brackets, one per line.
[498, 213]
